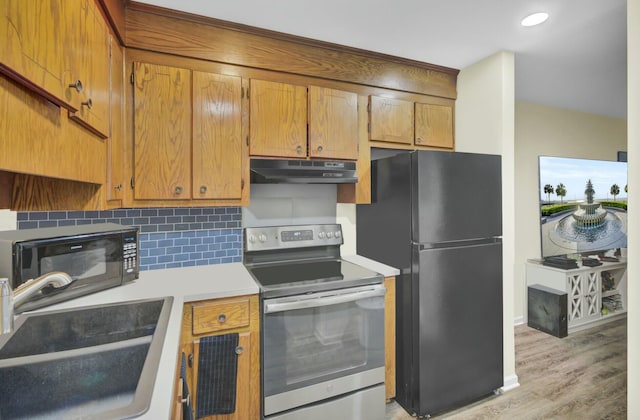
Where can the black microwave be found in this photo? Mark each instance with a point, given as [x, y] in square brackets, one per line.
[97, 257]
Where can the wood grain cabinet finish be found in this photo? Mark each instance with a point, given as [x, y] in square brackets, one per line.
[214, 316]
[88, 54]
[277, 119]
[390, 338]
[187, 135]
[162, 132]
[411, 124]
[217, 136]
[244, 313]
[434, 125]
[115, 145]
[391, 120]
[60, 49]
[333, 123]
[293, 121]
[33, 44]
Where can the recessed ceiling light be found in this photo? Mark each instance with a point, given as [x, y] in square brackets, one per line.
[535, 19]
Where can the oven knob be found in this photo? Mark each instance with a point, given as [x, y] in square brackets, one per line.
[252, 238]
[321, 235]
[329, 235]
[338, 234]
[262, 237]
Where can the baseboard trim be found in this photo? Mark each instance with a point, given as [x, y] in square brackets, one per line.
[510, 382]
[518, 320]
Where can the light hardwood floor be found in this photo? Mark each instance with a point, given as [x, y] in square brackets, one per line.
[582, 376]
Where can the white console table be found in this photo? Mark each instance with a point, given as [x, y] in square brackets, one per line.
[594, 294]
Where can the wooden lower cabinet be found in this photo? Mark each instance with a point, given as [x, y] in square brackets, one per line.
[390, 338]
[220, 317]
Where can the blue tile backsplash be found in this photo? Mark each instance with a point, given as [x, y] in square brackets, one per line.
[169, 237]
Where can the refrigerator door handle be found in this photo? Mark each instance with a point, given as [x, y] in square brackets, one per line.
[457, 244]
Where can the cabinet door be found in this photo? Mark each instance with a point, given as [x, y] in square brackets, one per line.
[277, 119]
[243, 380]
[162, 132]
[583, 297]
[217, 136]
[592, 295]
[115, 145]
[434, 125]
[391, 120]
[87, 55]
[333, 123]
[33, 41]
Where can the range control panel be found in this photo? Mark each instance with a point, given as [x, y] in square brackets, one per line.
[296, 236]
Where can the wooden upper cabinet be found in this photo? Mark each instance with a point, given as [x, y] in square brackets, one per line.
[434, 125]
[277, 119]
[32, 43]
[60, 49]
[281, 114]
[333, 123]
[409, 124]
[391, 120]
[162, 132]
[87, 54]
[115, 145]
[217, 136]
[189, 130]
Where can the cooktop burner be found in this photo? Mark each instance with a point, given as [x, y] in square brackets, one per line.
[281, 279]
[290, 260]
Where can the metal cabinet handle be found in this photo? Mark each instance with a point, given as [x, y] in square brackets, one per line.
[190, 360]
[118, 187]
[178, 190]
[77, 86]
[239, 350]
[299, 149]
[222, 318]
[319, 148]
[203, 189]
[88, 103]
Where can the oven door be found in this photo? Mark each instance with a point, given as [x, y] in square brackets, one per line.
[322, 345]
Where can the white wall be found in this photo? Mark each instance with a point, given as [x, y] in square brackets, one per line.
[7, 220]
[485, 124]
[290, 204]
[547, 131]
[633, 144]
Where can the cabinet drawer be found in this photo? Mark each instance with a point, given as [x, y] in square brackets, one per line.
[210, 317]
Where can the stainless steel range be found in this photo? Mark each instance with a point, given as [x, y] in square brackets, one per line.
[322, 325]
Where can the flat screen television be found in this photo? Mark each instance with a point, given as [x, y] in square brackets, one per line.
[583, 205]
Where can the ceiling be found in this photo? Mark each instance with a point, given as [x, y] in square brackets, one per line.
[575, 60]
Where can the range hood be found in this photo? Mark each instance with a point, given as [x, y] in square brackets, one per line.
[292, 171]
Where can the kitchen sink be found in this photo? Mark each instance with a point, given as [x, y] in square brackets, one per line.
[83, 327]
[98, 361]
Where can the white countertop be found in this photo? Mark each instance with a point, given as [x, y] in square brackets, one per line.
[376, 266]
[187, 284]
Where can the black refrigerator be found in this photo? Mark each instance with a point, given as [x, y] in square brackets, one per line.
[437, 216]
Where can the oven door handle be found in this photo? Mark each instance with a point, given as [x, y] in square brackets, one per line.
[314, 302]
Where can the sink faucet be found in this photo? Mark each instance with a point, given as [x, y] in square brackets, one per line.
[9, 300]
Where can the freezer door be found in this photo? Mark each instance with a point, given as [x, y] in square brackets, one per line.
[456, 196]
[459, 353]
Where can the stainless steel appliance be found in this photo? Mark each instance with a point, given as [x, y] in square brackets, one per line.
[437, 217]
[322, 325]
[97, 257]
